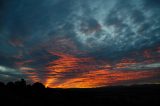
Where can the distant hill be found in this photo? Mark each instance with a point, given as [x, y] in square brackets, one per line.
[21, 94]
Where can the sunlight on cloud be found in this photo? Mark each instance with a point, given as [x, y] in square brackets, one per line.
[6, 70]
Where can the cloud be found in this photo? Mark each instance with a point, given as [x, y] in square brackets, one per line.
[122, 26]
[152, 66]
[104, 26]
[8, 73]
[55, 41]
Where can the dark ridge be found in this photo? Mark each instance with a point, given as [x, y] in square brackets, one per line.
[19, 93]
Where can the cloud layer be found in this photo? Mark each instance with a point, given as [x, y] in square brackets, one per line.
[72, 43]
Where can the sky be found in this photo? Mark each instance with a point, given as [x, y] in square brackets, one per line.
[80, 43]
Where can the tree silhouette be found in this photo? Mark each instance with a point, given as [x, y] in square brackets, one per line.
[10, 85]
[2, 85]
[38, 85]
[20, 84]
[18, 92]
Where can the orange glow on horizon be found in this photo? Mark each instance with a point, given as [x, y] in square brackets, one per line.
[86, 73]
[101, 78]
[71, 71]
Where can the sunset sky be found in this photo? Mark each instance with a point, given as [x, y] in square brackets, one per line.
[80, 43]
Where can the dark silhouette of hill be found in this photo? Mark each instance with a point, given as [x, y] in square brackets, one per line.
[19, 93]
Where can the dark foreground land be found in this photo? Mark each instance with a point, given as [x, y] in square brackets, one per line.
[36, 94]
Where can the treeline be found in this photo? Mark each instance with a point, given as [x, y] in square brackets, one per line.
[21, 84]
[19, 93]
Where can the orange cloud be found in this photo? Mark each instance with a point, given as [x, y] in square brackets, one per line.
[124, 63]
[71, 71]
[66, 63]
[28, 71]
[100, 78]
[89, 73]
